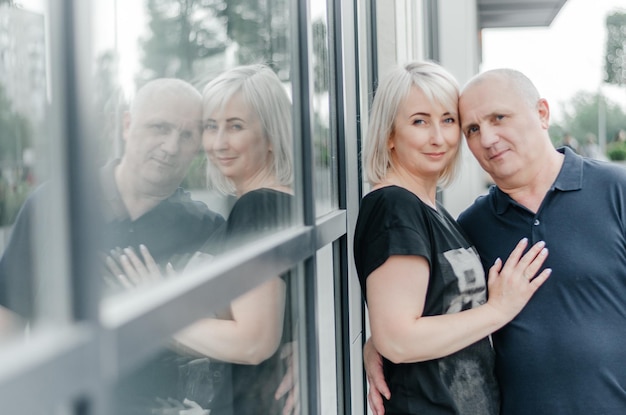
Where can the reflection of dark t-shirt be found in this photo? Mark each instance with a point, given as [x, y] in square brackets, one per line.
[393, 221]
[176, 226]
[252, 388]
[171, 230]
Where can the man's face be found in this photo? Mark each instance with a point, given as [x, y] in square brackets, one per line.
[502, 128]
[162, 138]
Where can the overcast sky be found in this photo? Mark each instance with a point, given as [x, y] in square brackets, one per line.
[561, 59]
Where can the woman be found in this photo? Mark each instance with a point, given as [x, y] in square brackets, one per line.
[247, 139]
[422, 280]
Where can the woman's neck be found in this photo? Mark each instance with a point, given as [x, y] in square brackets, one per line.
[424, 188]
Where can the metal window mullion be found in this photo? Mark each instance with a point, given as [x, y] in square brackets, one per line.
[54, 367]
[138, 324]
[303, 133]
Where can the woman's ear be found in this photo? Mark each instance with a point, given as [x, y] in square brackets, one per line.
[390, 143]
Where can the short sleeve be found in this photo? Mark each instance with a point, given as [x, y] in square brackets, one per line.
[391, 222]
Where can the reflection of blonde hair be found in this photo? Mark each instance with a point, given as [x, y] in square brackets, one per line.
[261, 89]
[436, 83]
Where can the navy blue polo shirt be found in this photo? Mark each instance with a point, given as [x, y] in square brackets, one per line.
[565, 353]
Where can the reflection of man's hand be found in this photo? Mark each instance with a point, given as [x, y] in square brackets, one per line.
[171, 406]
[127, 270]
[289, 387]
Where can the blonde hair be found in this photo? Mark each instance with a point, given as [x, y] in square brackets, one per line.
[263, 92]
[436, 83]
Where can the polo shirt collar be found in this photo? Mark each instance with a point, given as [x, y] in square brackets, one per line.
[570, 178]
[112, 205]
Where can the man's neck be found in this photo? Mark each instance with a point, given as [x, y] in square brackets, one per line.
[539, 178]
[136, 201]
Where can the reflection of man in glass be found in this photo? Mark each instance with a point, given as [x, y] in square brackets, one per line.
[142, 201]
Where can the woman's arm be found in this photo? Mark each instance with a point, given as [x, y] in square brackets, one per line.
[396, 293]
[253, 334]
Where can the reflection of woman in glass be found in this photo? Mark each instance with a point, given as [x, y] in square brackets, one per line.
[247, 138]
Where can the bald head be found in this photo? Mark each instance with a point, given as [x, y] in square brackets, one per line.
[165, 90]
[162, 133]
[514, 81]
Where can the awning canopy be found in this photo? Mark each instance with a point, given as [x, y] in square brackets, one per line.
[517, 13]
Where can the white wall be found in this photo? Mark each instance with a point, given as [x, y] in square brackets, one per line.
[460, 54]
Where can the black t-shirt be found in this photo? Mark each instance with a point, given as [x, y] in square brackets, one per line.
[393, 221]
[251, 388]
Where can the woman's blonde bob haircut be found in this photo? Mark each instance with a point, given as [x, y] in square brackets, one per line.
[436, 83]
[265, 95]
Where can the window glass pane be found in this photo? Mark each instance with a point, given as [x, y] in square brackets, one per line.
[240, 360]
[228, 93]
[196, 137]
[325, 151]
[30, 209]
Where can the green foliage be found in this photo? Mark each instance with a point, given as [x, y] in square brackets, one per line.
[196, 177]
[16, 131]
[615, 58]
[182, 32]
[11, 200]
[186, 34]
[260, 29]
[617, 151]
[581, 117]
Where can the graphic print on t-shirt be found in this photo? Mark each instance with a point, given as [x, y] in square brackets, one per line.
[464, 278]
[464, 371]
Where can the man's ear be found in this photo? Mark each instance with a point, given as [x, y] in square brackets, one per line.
[544, 112]
[126, 124]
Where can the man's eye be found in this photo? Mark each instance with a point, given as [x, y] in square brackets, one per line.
[160, 128]
[186, 135]
[471, 130]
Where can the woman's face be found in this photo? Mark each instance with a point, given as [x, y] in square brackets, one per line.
[234, 142]
[426, 136]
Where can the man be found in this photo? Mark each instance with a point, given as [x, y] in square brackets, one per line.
[564, 353]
